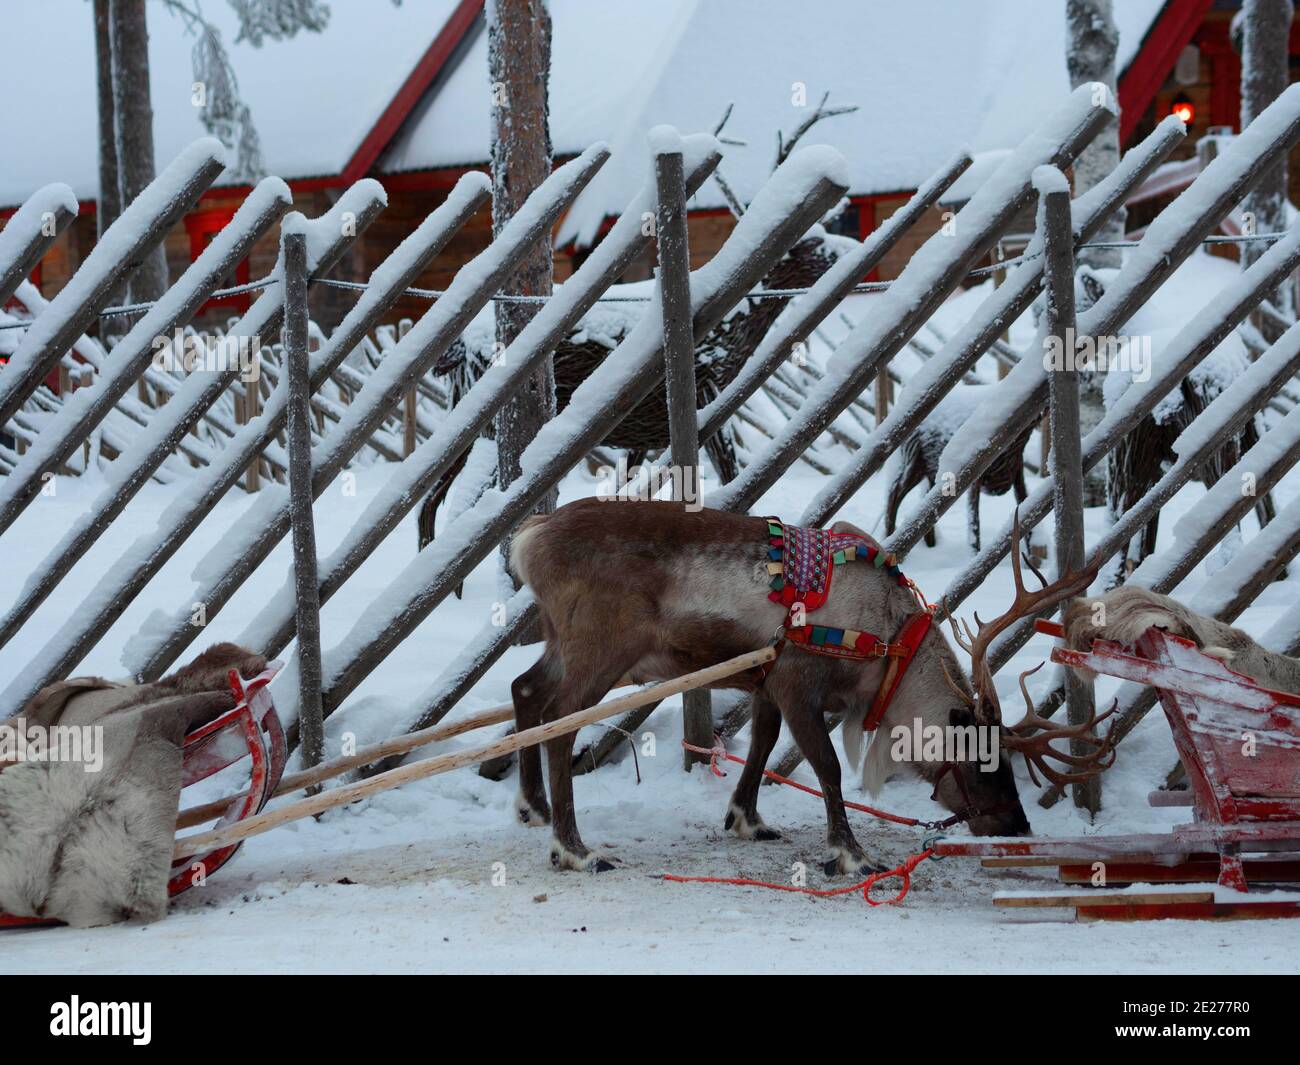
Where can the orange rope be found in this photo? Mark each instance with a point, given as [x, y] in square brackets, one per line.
[719, 752]
[904, 870]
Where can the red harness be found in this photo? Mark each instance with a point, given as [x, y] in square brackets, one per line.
[802, 563]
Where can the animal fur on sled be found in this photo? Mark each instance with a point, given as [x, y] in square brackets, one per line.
[92, 848]
[1125, 613]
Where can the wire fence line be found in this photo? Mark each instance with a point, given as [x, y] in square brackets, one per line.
[758, 294]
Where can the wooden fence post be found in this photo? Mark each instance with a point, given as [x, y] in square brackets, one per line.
[310, 718]
[1066, 449]
[409, 438]
[673, 246]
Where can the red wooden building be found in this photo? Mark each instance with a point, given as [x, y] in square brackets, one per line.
[928, 76]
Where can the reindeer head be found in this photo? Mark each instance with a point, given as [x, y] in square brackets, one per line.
[1032, 736]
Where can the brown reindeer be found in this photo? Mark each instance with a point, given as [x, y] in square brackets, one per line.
[918, 460]
[651, 591]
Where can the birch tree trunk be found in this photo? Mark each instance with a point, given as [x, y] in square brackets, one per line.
[133, 121]
[1265, 28]
[1091, 42]
[519, 62]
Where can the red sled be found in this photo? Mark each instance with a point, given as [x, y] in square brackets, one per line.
[1240, 744]
[251, 730]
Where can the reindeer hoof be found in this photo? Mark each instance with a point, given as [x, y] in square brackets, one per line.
[588, 862]
[747, 827]
[848, 863]
[530, 815]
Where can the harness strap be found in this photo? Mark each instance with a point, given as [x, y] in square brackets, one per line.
[909, 640]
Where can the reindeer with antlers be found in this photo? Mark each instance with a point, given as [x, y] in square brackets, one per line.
[649, 591]
[1032, 735]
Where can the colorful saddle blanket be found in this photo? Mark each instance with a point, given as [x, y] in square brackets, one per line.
[802, 563]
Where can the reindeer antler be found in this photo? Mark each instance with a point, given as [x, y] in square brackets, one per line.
[1033, 735]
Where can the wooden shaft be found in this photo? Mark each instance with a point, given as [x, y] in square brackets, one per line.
[263, 822]
[398, 745]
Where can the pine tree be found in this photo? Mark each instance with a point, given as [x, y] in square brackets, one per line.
[1091, 43]
[519, 61]
[1263, 28]
[133, 126]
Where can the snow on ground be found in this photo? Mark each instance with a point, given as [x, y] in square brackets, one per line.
[438, 876]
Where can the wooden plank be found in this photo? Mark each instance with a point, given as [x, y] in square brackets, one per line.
[1028, 861]
[1100, 898]
[1190, 911]
[1198, 869]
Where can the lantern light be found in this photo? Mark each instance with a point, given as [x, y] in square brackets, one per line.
[1182, 109]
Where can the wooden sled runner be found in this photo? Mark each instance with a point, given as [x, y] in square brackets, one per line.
[1240, 744]
[251, 730]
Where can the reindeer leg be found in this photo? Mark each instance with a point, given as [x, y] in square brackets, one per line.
[808, 726]
[742, 813]
[586, 680]
[532, 693]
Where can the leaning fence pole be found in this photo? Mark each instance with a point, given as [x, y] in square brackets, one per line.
[311, 722]
[30, 231]
[672, 244]
[1066, 454]
[136, 233]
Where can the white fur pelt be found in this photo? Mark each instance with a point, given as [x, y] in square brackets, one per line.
[92, 848]
[1125, 613]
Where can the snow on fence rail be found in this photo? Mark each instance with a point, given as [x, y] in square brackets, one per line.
[799, 193]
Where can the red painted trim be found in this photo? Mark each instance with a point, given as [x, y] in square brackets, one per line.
[201, 226]
[401, 105]
[1172, 32]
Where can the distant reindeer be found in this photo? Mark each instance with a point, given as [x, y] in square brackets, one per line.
[918, 460]
[1140, 457]
[650, 591]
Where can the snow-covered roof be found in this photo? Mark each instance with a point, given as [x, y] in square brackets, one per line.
[313, 97]
[929, 75]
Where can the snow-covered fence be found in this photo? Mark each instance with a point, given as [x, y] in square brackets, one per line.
[423, 451]
[29, 233]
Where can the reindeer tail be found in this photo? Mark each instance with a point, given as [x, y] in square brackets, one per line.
[522, 545]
